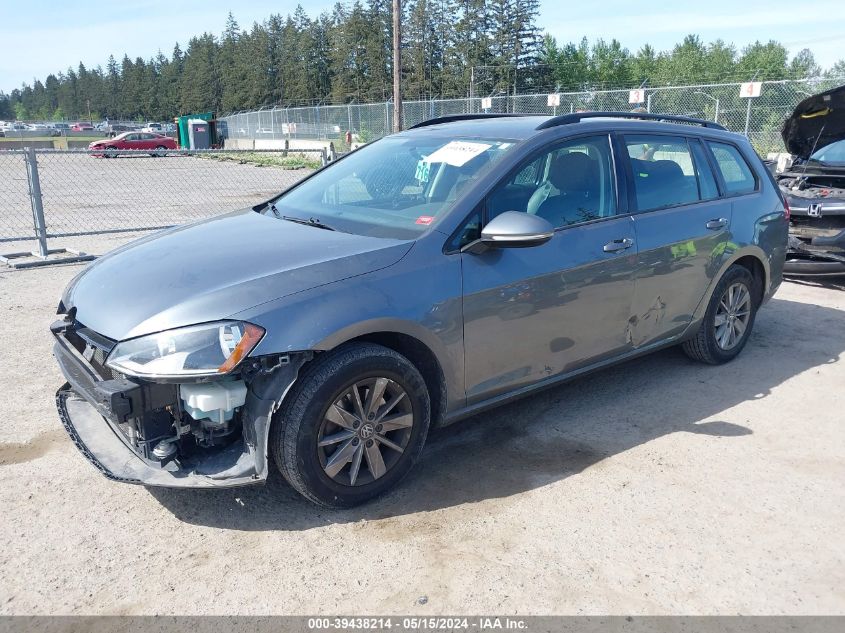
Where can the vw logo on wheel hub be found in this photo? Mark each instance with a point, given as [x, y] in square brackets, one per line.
[367, 431]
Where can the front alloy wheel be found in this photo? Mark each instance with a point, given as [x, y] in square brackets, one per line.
[352, 426]
[365, 431]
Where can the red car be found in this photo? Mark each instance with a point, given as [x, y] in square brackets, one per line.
[81, 127]
[134, 140]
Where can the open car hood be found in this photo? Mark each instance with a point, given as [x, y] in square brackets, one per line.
[816, 121]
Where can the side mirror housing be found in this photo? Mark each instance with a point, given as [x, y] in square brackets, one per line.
[512, 229]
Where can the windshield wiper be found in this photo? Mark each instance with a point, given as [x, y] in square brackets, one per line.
[309, 222]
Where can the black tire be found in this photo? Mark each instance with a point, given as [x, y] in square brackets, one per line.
[704, 347]
[161, 150]
[111, 152]
[296, 426]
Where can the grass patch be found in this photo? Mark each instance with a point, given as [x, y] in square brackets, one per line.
[265, 160]
[17, 139]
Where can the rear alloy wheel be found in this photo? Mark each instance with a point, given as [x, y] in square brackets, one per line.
[352, 426]
[161, 150]
[728, 321]
[732, 316]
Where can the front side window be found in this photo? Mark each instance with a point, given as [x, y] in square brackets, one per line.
[573, 183]
[663, 170]
[395, 187]
[736, 173]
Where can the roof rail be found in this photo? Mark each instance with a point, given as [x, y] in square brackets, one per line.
[465, 117]
[576, 117]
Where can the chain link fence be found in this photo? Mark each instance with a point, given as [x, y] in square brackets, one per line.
[758, 118]
[47, 194]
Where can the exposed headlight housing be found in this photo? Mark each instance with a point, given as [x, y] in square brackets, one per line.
[210, 349]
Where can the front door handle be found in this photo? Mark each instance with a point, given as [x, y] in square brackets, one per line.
[618, 245]
[715, 225]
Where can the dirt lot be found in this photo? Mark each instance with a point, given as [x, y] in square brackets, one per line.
[659, 486]
[84, 193]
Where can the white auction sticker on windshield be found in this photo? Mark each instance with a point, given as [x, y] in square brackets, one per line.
[457, 153]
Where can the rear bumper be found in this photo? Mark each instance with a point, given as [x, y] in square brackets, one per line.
[91, 410]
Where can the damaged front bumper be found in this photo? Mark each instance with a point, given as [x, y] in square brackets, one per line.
[816, 239]
[107, 415]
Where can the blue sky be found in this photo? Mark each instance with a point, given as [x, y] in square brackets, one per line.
[43, 36]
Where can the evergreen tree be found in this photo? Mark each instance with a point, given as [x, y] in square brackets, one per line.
[451, 48]
[6, 111]
[231, 77]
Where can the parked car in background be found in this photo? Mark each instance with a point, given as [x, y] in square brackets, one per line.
[141, 141]
[155, 128]
[118, 128]
[82, 127]
[423, 278]
[814, 185]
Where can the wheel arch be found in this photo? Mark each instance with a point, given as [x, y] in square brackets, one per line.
[752, 258]
[416, 343]
[421, 357]
[755, 266]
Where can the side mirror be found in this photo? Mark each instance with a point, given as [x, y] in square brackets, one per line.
[512, 229]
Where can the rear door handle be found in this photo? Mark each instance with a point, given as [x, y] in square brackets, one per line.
[715, 225]
[618, 245]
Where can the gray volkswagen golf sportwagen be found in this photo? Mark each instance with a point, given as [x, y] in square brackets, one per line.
[421, 279]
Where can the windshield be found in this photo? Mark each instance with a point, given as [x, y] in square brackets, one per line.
[833, 153]
[394, 187]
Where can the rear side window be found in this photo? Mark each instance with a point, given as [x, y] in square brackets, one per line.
[735, 171]
[664, 171]
[707, 188]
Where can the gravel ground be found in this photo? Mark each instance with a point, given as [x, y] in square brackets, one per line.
[656, 487]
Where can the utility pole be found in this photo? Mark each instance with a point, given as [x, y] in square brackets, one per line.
[397, 65]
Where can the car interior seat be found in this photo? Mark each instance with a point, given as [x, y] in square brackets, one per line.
[660, 183]
[576, 177]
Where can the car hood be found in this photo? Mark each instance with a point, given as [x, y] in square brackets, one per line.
[816, 121]
[215, 268]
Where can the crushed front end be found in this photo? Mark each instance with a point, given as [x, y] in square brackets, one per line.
[198, 432]
[817, 223]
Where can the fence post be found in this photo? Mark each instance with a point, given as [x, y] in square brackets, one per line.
[324, 159]
[748, 116]
[36, 201]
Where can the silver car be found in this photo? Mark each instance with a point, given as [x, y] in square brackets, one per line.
[424, 278]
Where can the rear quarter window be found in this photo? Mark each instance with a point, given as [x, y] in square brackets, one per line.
[737, 174]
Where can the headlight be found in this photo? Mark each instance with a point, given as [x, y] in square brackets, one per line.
[199, 350]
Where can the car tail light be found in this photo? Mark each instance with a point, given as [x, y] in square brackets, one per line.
[786, 212]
